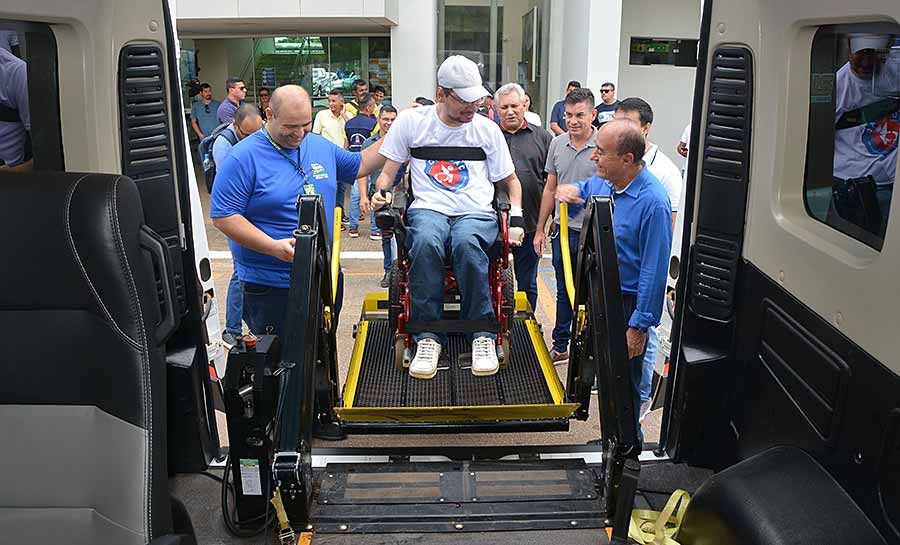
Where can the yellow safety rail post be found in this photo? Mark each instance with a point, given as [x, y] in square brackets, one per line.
[336, 251]
[335, 263]
[566, 255]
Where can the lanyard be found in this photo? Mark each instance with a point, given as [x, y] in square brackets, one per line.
[654, 155]
[308, 187]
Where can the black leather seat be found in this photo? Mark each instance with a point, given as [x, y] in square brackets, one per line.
[779, 497]
[82, 375]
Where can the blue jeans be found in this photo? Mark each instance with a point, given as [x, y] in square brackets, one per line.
[339, 196]
[353, 213]
[389, 249]
[234, 306]
[563, 330]
[883, 194]
[266, 306]
[430, 236]
[635, 366]
[525, 265]
[649, 363]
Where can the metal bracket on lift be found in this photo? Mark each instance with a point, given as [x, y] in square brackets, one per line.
[286, 473]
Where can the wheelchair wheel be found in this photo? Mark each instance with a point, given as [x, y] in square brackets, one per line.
[509, 293]
[394, 309]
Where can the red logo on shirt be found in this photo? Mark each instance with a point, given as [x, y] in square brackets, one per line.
[880, 137]
[445, 174]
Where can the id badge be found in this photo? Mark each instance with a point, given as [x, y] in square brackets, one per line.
[309, 189]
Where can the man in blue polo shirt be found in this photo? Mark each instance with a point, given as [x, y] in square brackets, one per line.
[642, 219]
[255, 195]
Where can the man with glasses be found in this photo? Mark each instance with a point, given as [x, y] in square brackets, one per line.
[203, 113]
[455, 158]
[247, 121]
[642, 220]
[606, 110]
[263, 95]
[237, 91]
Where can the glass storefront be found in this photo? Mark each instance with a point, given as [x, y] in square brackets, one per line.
[504, 37]
[318, 63]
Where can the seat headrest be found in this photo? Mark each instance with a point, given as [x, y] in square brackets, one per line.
[72, 242]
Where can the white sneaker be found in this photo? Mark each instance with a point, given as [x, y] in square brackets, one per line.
[484, 357]
[424, 365]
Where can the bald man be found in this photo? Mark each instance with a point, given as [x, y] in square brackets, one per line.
[642, 220]
[255, 195]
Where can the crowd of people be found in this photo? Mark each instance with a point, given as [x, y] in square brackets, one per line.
[452, 150]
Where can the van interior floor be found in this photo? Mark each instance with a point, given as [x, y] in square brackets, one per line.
[200, 494]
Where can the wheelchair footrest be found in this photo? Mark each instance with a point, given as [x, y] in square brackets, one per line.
[452, 326]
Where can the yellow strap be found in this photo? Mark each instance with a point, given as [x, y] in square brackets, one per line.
[565, 251]
[659, 527]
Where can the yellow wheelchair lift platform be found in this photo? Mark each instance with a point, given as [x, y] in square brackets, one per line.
[525, 390]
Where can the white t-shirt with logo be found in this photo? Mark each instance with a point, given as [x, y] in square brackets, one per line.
[666, 172]
[869, 149]
[449, 186]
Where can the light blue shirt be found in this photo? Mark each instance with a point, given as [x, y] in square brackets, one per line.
[14, 95]
[642, 221]
[257, 182]
[221, 146]
[206, 120]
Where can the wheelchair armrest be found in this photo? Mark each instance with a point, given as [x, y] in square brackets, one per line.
[501, 200]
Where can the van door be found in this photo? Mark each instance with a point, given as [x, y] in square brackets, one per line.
[103, 96]
[789, 283]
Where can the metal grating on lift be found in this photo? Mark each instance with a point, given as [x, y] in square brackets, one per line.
[381, 384]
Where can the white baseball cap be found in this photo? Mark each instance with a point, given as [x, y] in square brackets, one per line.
[858, 42]
[461, 75]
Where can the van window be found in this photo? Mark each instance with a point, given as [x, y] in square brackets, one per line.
[30, 137]
[854, 127]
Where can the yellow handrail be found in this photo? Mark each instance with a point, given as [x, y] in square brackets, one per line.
[566, 255]
[335, 251]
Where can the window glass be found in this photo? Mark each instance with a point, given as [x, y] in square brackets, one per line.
[854, 128]
[30, 137]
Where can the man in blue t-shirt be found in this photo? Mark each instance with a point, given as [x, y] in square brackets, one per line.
[254, 199]
[558, 113]
[203, 113]
[642, 221]
[358, 129]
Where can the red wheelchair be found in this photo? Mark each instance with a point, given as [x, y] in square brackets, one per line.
[391, 221]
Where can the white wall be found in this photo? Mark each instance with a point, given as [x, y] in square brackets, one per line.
[584, 45]
[213, 63]
[414, 52]
[668, 89]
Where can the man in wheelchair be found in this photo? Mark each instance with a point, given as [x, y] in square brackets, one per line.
[455, 158]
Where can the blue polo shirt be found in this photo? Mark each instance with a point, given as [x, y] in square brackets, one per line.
[255, 181]
[558, 114]
[205, 114]
[642, 221]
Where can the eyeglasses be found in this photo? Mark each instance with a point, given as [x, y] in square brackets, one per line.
[453, 94]
[606, 90]
[263, 96]
[206, 107]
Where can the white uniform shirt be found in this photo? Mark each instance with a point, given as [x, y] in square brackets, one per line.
[666, 172]
[451, 187]
[869, 149]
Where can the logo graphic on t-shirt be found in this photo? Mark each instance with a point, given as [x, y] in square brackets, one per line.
[318, 171]
[448, 175]
[881, 137]
[356, 141]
